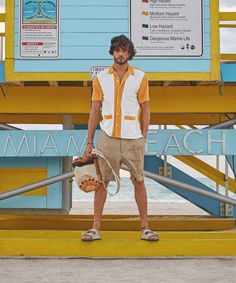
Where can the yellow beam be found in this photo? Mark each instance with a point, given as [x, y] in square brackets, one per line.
[156, 119]
[79, 76]
[34, 76]
[46, 100]
[227, 16]
[183, 127]
[75, 100]
[114, 222]
[215, 40]
[2, 17]
[207, 170]
[11, 178]
[10, 8]
[41, 119]
[230, 57]
[200, 99]
[116, 244]
[9, 41]
[227, 26]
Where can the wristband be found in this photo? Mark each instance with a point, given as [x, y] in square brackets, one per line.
[89, 143]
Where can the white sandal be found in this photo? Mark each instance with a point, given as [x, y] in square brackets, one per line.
[91, 235]
[149, 235]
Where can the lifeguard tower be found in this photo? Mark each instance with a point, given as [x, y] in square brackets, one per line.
[53, 49]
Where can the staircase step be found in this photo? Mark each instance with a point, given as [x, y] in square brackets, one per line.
[116, 244]
[114, 222]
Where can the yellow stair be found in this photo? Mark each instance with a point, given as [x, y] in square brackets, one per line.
[59, 235]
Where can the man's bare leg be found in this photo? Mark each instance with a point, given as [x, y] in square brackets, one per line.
[141, 200]
[99, 201]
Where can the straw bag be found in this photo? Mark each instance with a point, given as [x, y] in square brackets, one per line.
[87, 173]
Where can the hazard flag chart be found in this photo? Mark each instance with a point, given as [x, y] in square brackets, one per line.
[39, 29]
[167, 28]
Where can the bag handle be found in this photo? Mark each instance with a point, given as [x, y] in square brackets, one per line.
[117, 179]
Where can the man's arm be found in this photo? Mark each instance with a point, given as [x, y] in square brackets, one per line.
[94, 118]
[144, 118]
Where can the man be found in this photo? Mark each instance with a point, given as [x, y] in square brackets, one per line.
[122, 92]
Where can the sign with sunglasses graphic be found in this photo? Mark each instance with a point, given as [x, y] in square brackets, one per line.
[39, 29]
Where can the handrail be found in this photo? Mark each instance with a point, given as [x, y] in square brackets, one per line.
[150, 175]
[8, 127]
[36, 185]
[187, 187]
[223, 125]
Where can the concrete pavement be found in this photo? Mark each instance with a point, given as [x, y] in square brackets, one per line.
[62, 270]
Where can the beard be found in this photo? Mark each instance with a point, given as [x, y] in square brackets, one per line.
[121, 60]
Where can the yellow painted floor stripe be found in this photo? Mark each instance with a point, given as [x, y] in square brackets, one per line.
[116, 244]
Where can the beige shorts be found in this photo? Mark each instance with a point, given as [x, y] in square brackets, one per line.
[118, 151]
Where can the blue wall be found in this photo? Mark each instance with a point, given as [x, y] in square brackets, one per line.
[53, 199]
[86, 29]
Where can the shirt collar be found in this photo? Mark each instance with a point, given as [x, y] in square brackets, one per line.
[130, 70]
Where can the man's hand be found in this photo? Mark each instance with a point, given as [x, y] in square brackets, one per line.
[88, 150]
[145, 136]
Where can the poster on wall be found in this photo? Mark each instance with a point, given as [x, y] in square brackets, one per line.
[39, 29]
[167, 28]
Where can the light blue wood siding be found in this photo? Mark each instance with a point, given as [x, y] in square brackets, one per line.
[53, 199]
[86, 27]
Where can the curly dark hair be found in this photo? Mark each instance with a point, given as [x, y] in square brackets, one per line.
[122, 42]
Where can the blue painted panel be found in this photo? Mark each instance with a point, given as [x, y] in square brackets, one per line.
[93, 23]
[228, 72]
[97, 52]
[92, 26]
[211, 206]
[2, 72]
[26, 162]
[53, 200]
[85, 65]
[54, 197]
[118, 25]
[95, 39]
[24, 202]
[98, 12]
[89, 3]
[232, 163]
[84, 39]
[95, 13]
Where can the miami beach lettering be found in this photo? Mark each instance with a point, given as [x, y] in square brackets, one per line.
[169, 142]
[34, 145]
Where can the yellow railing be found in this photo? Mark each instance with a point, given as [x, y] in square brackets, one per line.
[227, 17]
[2, 38]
